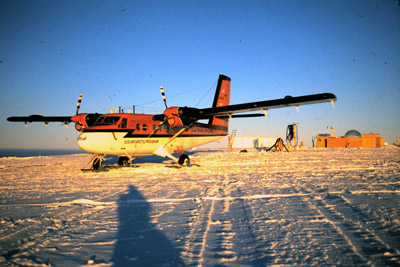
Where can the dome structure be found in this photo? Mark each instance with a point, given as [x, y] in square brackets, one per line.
[352, 133]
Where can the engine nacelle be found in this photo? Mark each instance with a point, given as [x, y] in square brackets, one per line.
[80, 122]
[175, 121]
[172, 114]
[180, 116]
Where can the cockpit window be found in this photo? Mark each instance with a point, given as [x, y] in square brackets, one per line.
[91, 119]
[123, 123]
[99, 120]
[108, 120]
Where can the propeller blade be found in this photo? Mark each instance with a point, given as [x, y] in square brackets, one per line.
[79, 104]
[163, 96]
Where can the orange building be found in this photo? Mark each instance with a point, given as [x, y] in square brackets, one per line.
[365, 141]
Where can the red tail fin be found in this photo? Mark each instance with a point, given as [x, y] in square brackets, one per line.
[222, 97]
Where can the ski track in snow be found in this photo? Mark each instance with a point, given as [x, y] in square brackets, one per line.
[308, 208]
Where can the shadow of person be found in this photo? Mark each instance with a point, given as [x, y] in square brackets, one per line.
[139, 243]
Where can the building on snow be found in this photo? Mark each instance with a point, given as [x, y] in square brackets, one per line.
[351, 139]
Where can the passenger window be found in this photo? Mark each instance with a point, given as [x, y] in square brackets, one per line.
[137, 127]
[154, 127]
[144, 127]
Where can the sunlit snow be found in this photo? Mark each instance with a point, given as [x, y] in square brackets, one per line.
[311, 207]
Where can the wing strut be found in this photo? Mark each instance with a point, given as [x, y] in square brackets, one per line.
[162, 151]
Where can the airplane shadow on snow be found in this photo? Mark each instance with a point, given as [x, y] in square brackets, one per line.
[139, 243]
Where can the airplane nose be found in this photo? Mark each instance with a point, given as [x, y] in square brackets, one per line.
[82, 141]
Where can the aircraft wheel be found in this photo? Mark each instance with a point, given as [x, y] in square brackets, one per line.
[184, 159]
[123, 161]
[96, 163]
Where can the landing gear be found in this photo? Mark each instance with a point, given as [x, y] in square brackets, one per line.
[123, 161]
[184, 159]
[97, 162]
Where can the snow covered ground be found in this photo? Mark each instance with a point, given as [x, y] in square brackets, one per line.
[312, 207]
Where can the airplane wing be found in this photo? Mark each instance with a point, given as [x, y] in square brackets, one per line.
[40, 118]
[46, 119]
[287, 101]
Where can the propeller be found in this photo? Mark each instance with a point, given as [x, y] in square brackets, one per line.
[79, 119]
[176, 116]
[78, 106]
[163, 96]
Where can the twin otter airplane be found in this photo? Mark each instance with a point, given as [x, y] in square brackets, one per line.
[130, 136]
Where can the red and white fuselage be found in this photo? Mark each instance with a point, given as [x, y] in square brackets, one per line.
[137, 135]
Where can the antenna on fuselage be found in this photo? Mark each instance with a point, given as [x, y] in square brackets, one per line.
[163, 96]
[78, 106]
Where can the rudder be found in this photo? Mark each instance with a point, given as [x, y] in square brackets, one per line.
[221, 98]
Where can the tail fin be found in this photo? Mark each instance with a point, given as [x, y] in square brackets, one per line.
[222, 97]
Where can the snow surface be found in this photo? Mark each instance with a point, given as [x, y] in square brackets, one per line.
[311, 208]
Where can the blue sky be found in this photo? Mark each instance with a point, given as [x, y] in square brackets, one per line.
[118, 53]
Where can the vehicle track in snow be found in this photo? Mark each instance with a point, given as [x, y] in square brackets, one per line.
[221, 232]
[57, 221]
[282, 209]
[199, 227]
[351, 223]
[298, 216]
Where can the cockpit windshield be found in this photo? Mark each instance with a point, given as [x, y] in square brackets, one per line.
[107, 120]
